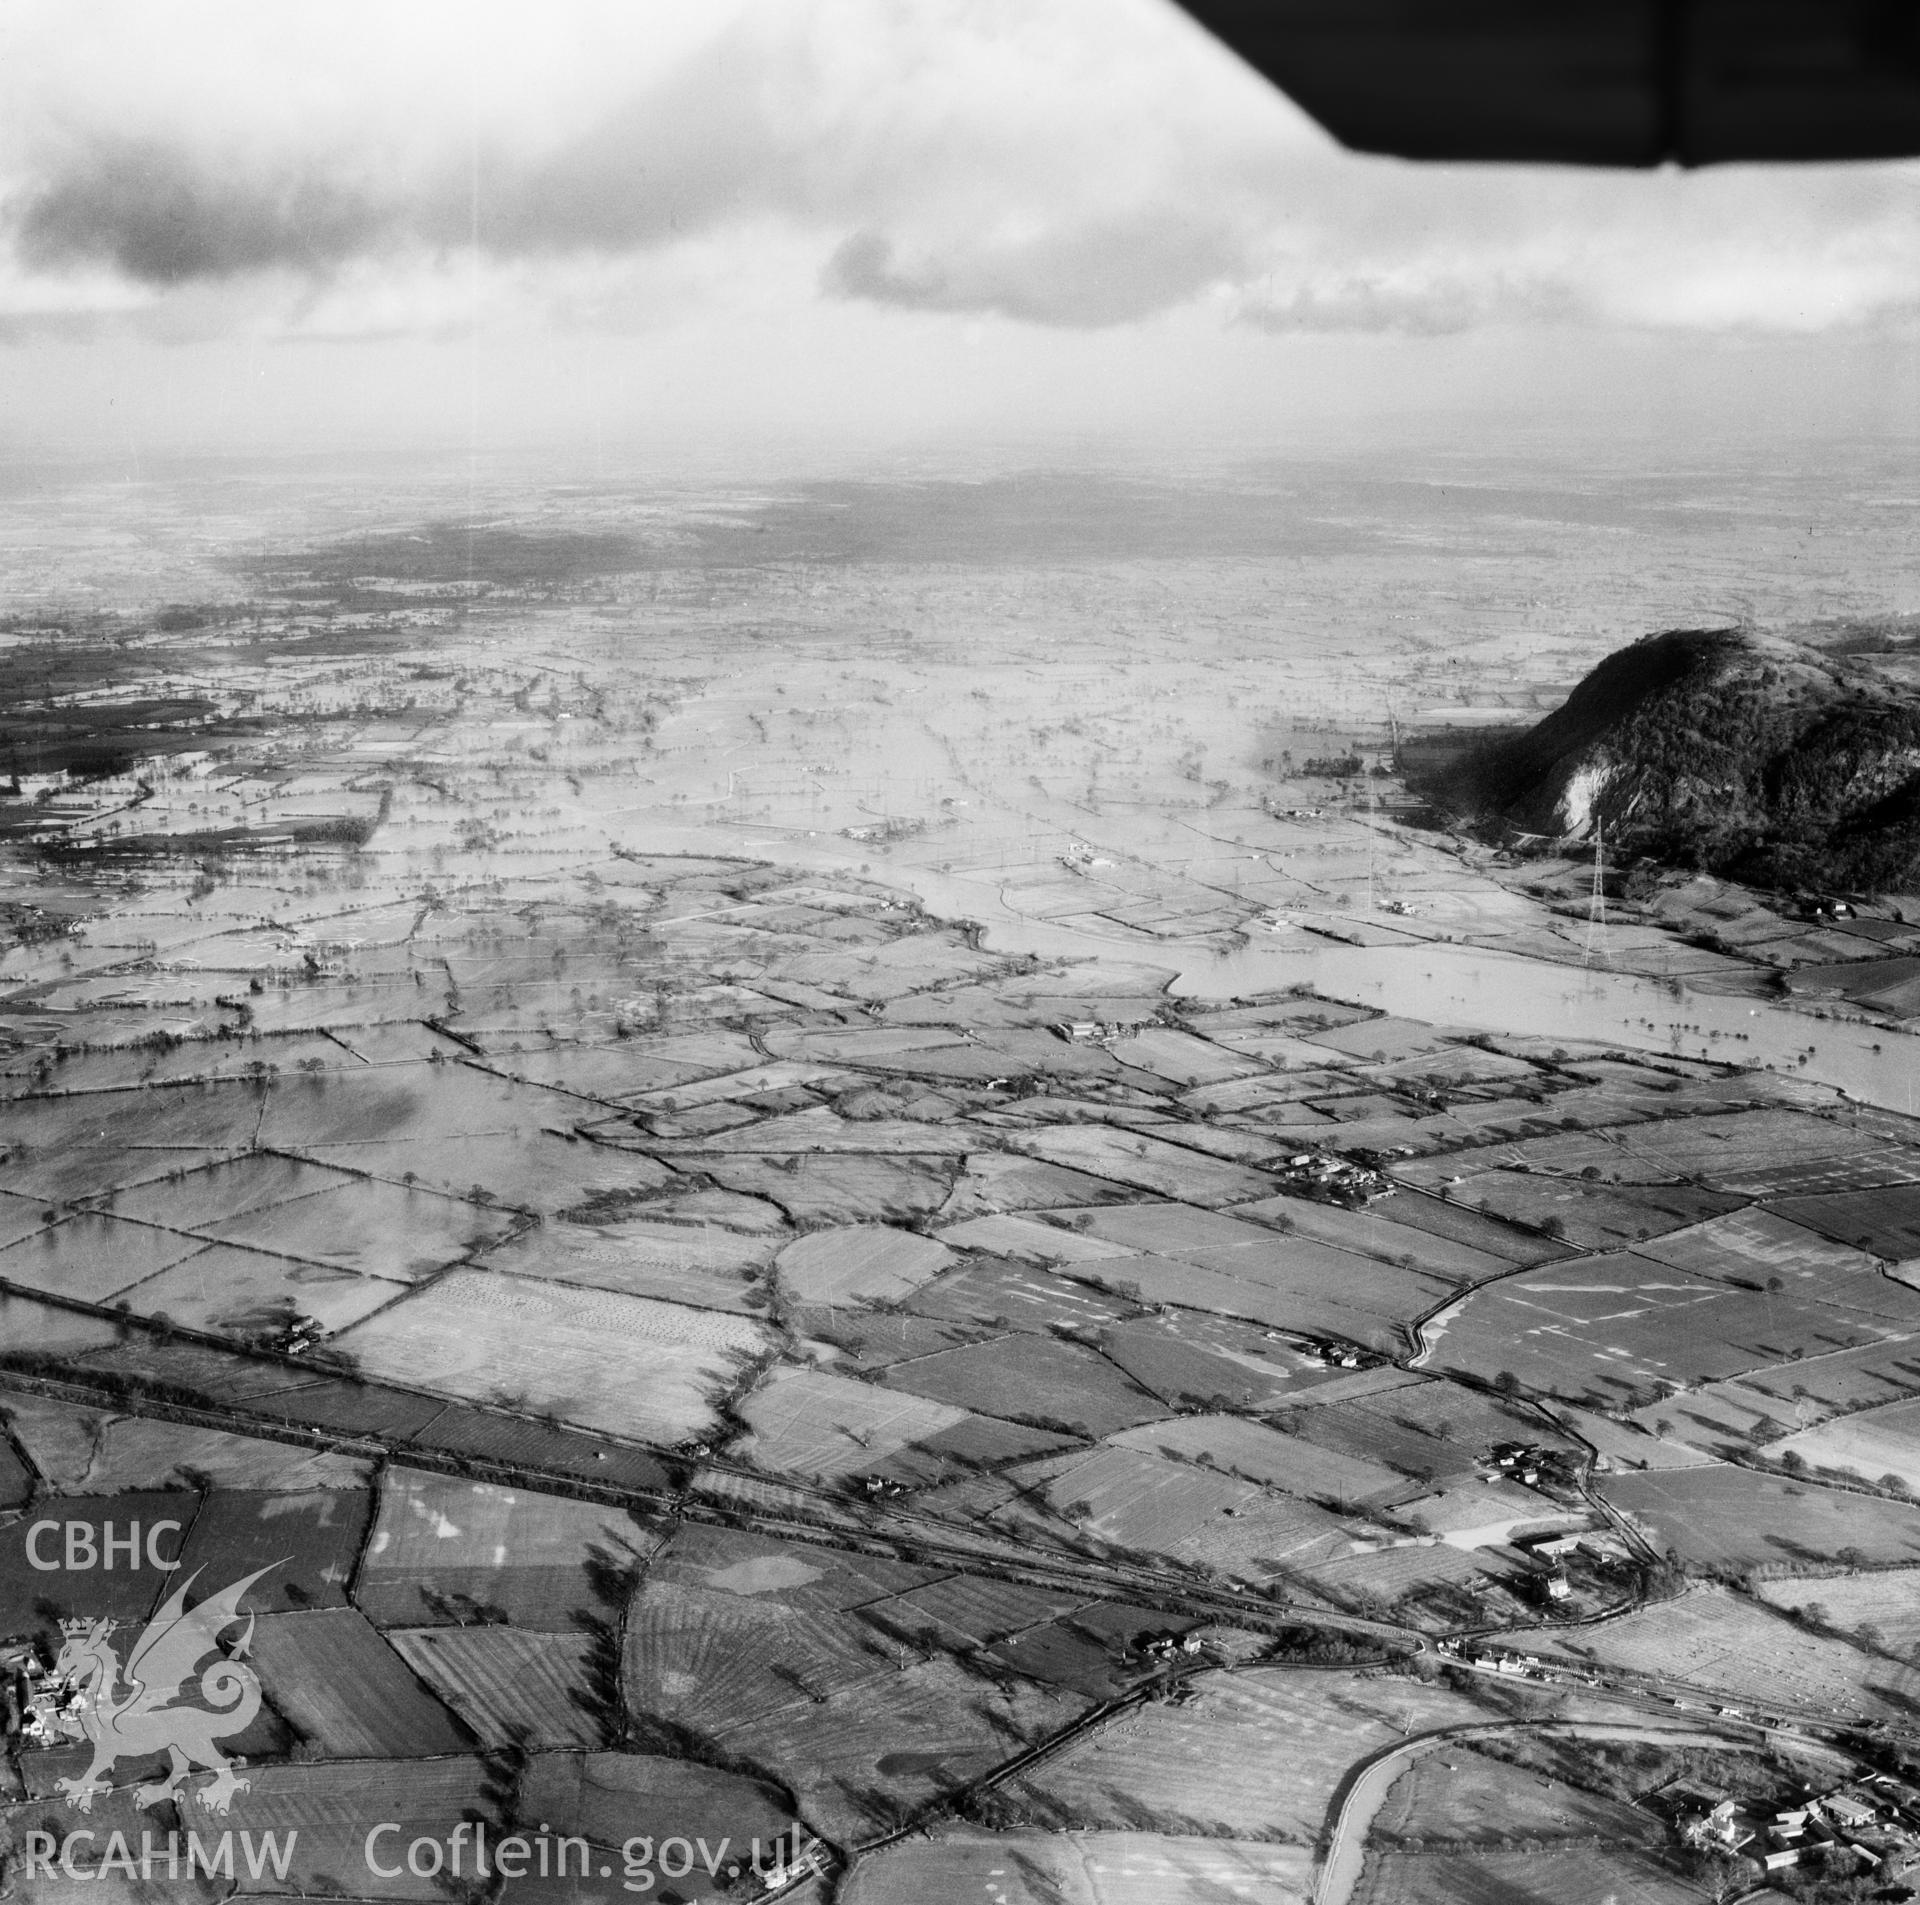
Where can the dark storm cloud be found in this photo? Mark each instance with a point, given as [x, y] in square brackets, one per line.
[160, 217]
[683, 156]
[958, 210]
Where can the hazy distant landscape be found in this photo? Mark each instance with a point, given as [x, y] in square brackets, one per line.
[845, 1159]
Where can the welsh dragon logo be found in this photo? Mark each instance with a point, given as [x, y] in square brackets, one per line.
[131, 1711]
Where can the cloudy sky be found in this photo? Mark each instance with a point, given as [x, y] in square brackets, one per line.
[823, 228]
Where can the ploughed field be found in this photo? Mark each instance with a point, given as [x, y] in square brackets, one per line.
[696, 1341]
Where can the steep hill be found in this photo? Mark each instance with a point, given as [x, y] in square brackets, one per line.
[1749, 755]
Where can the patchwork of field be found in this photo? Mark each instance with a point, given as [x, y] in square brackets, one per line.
[494, 1141]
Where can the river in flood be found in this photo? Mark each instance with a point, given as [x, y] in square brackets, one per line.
[1482, 991]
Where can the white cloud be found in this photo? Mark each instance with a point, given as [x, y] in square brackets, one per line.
[1077, 164]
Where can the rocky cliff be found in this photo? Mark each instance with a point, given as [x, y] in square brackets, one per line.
[1753, 756]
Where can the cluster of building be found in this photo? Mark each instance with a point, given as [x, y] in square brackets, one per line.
[38, 1707]
[886, 831]
[1330, 1179]
[1168, 1646]
[1533, 1466]
[1103, 1031]
[1336, 1354]
[1873, 1824]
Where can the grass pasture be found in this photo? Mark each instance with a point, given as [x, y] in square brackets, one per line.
[817, 1191]
[1592, 1215]
[346, 1691]
[1160, 1229]
[1382, 1041]
[1620, 1324]
[1887, 1601]
[810, 1423]
[1884, 1165]
[992, 1289]
[1456, 1794]
[970, 1610]
[997, 1182]
[1748, 1655]
[1256, 1453]
[1741, 1151]
[1181, 1058]
[1374, 1233]
[796, 1574]
[963, 1865]
[228, 1291]
[311, 1540]
[508, 1684]
[707, 1268]
[1584, 1875]
[1006, 1235]
[1760, 1243]
[1060, 1654]
[864, 1757]
[326, 1810]
[90, 1258]
[1166, 1360]
[1143, 1502]
[1873, 1373]
[1735, 1517]
[197, 1200]
[1033, 1378]
[1322, 1285]
[1147, 1163]
[81, 1451]
[34, 1594]
[610, 1798]
[863, 1340]
[141, 1452]
[380, 1230]
[1261, 1751]
[1884, 1221]
[627, 1365]
[862, 1263]
[1872, 1443]
[1165, 1280]
[445, 1549]
[712, 1659]
[1413, 1209]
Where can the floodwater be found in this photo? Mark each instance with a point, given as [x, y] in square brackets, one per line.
[1482, 991]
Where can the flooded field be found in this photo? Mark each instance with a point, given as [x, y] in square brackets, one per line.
[846, 1155]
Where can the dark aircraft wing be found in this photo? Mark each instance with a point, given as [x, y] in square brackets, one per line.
[1593, 82]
